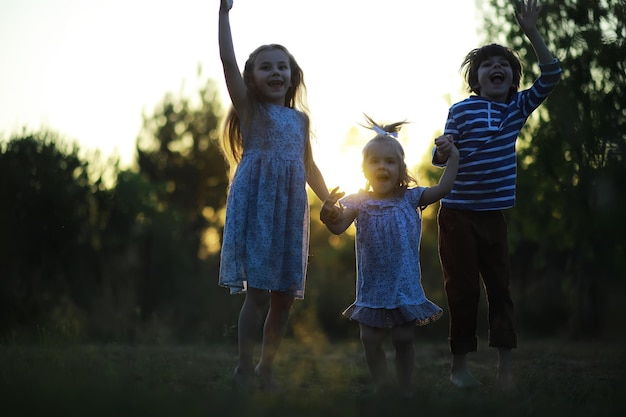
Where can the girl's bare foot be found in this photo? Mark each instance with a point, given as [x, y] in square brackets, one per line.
[268, 382]
[242, 380]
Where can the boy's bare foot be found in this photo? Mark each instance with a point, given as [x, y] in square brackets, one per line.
[507, 384]
[464, 379]
[504, 375]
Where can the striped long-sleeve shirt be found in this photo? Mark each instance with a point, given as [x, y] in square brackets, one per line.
[485, 133]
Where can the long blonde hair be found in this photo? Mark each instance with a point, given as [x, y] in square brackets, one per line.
[232, 139]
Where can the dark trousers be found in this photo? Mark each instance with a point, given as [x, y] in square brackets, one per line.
[474, 245]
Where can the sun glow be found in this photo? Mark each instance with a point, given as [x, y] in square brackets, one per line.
[340, 160]
[343, 171]
[383, 60]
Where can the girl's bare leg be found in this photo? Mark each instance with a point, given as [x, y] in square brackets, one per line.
[273, 332]
[249, 322]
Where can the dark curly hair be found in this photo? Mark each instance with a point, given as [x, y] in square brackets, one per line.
[475, 57]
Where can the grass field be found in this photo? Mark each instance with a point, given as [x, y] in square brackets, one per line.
[555, 378]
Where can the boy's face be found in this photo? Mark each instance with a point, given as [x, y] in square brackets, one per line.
[495, 77]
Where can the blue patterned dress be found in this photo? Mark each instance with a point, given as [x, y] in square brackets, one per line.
[266, 233]
[389, 289]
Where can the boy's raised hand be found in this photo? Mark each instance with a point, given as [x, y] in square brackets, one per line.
[528, 14]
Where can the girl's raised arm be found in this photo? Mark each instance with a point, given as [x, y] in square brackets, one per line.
[234, 82]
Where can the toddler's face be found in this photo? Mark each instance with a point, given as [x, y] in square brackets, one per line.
[382, 169]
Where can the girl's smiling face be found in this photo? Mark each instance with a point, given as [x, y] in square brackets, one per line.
[382, 170]
[272, 75]
[495, 77]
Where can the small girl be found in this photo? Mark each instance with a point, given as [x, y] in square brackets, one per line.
[387, 216]
[266, 232]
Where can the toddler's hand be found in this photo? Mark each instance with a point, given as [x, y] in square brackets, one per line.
[444, 144]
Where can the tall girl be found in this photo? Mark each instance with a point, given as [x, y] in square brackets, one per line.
[266, 233]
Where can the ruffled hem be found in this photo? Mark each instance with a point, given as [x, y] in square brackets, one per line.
[421, 314]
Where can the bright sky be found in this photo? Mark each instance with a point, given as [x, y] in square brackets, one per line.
[88, 69]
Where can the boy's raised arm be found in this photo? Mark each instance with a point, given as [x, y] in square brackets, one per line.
[527, 17]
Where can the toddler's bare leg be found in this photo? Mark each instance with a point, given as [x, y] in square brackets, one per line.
[372, 340]
[402, 338]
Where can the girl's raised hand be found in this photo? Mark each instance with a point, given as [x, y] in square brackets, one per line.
[226, 4]
[528, 14]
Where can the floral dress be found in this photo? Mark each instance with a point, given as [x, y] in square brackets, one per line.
[389, 290]
[266, 232]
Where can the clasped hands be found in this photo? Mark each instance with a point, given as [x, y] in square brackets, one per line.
[331, 212]
[444, 144]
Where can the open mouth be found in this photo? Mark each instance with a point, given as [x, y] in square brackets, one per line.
[497, 77]
[276, 83]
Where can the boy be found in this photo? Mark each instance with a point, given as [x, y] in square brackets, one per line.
[472, 228]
